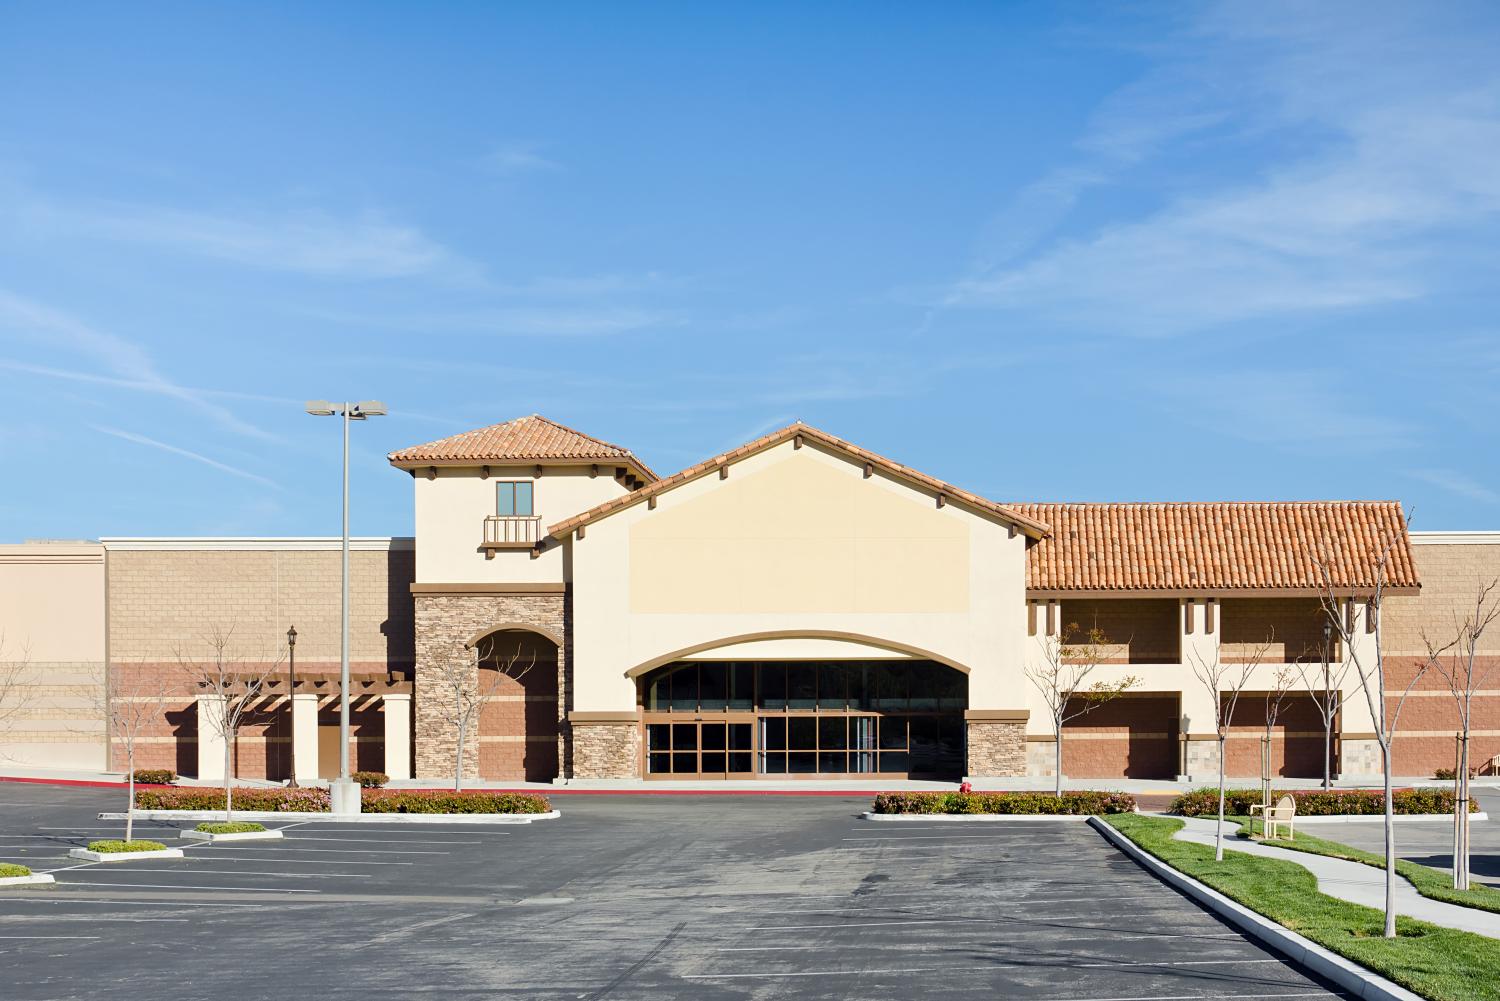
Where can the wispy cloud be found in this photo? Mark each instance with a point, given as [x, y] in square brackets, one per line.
[517, 157]
[540, 320]
[130, 362]
[1456, 483]
[224, 467]
[314, 243]
[73, 375]
[1362, 186]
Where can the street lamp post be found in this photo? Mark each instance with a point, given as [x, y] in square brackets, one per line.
[291, 706]
[345, 794]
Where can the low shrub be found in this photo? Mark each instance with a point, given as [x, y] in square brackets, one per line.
[233, 827]
[300, 800]
[371, 780]
[1317, 803]
[154, 776]
[112, 847]
[9, 870]
[439, 801]
[1445, 774]
[1069, 803]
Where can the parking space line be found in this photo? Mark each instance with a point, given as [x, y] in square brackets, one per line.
[285, 861]
[252, 872]
[49, 938]
[177, 886]
[384, 841]
[325, 851]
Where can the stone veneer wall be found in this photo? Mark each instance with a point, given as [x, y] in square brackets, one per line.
[997, 750]
[443, 623]
[606, 751]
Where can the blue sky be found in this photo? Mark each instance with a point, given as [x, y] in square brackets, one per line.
[1088, 252]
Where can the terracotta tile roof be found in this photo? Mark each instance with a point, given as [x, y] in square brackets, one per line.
[533, 438]
[1241, 546]
[1031, 526]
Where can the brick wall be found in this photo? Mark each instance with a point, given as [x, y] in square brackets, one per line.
[1134, 736]
[1296, 739]
[1292, 626]
[443, 624]
[1137, 631]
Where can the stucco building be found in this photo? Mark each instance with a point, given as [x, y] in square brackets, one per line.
[798, 607]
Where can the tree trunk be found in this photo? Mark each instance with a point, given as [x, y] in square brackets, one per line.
[1390, 843]
[1461, 857]
[1327, 747]
[1057, 763]
[130, 803]
[458, 757]
[1219, 829]
[228, 779]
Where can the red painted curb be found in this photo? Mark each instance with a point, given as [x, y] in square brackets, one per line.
[88, 783]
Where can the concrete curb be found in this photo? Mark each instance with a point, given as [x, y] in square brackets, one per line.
[35, 879]
[210, 837]
[89, 856]
[949, 818]
[1348, 975]
[342, 818]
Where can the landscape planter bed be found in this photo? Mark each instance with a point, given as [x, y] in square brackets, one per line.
[342, 818]
[1334, 805]
[1074, 805]
[19, 875]
[210, 836]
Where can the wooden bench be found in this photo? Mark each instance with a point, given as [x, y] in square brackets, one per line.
[1283, 814]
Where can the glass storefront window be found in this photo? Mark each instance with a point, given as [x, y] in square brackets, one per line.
[713, 687]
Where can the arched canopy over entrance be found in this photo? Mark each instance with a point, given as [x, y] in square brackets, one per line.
[518, 681]
[894, 717]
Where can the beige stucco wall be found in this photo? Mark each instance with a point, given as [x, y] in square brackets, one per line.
[52, 655]
[797, 541]
[450, 511]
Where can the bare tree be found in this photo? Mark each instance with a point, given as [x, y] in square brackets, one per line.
[236, 683]
[1457, 662]
[1061, 678]
[464, 684]
[1328, 698]
[1224, 683]
[129, 705]
[16, 689]
[1276, 696]
[1349, 619]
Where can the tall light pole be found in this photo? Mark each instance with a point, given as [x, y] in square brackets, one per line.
[341, 794]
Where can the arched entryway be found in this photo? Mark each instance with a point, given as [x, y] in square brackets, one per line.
[872, 718]
[517, 732]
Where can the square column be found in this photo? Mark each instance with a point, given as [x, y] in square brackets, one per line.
[397, 735]
[305, 736]
[210, 737]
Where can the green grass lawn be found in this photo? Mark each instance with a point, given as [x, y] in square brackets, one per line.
[1436, 962]
[1430, 882]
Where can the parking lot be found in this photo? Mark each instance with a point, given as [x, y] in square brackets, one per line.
[623, 897]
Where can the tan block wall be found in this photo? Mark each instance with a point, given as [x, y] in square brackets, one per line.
[443, 624]
[164, 603]
[611, 751]
[1137, 631]
[1451, 575]
[1292, 626]
[162, 600]
[997, 750]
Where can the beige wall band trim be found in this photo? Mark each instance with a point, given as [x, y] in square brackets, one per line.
[997, 715]
[1367, 736]
[795, 634]
[461, 589]
[307, 543]
[605, 718]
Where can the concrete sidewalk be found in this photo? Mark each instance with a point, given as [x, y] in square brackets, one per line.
[1352, 881]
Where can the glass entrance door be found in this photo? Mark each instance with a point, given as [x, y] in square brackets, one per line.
[719, 748]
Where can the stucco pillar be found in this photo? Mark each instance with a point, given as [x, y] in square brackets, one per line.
[1358, 750]
[305, 736]
[210, 737]
[397, 735]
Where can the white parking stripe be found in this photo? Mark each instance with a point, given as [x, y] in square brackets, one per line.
[49, 938]
[282, 860]
[383, 841]
[327, 851]
[253, 872]
[177, 886]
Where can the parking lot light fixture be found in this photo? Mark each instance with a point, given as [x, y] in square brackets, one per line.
[345, 794]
